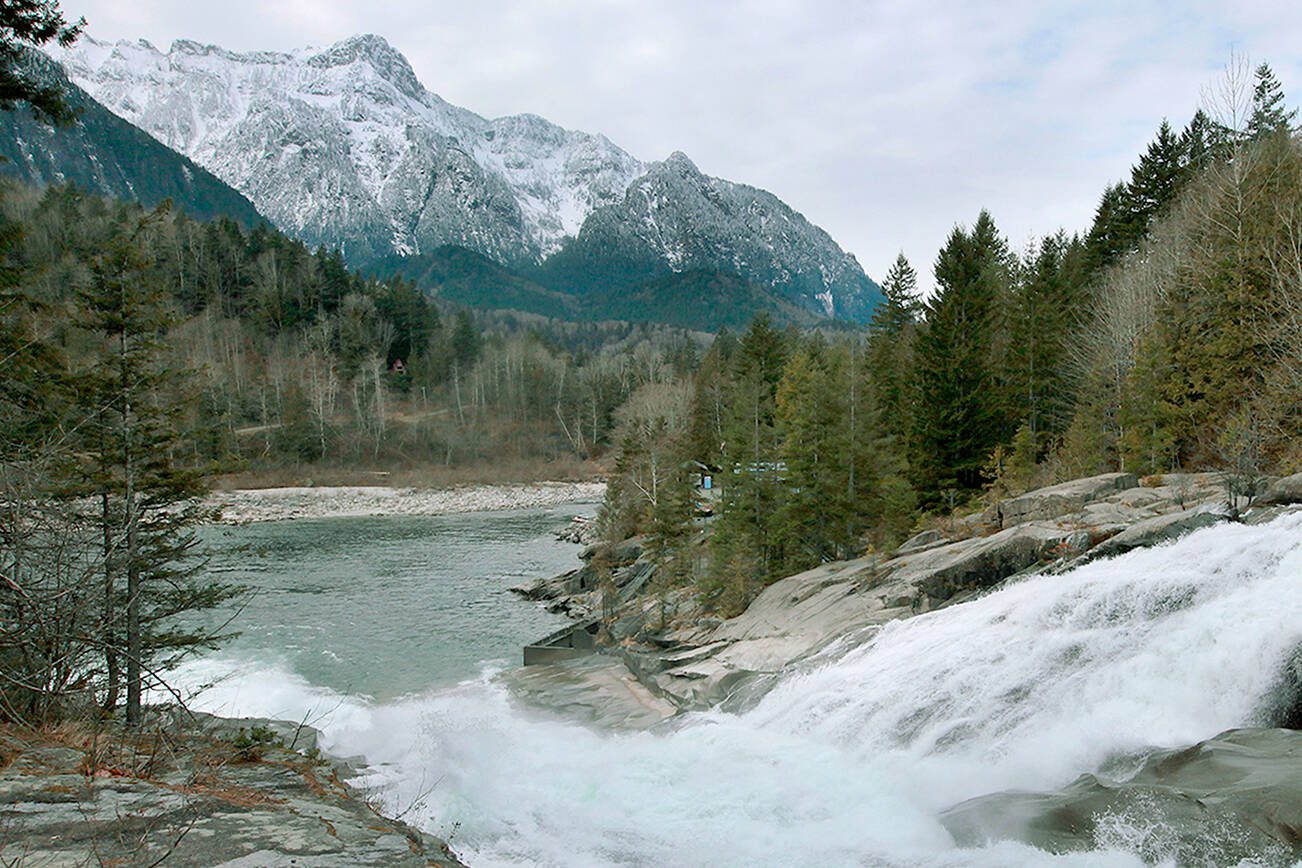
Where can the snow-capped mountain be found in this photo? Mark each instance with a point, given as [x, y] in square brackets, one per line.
[676, 219]
[345, 147]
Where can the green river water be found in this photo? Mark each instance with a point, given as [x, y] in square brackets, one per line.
[389, 606]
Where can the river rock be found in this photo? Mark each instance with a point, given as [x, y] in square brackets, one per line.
[1282, 492]
[698, 662]
[596, 689]
[796, 618]
[293, 736]
[1232, 798]
[1160, 529]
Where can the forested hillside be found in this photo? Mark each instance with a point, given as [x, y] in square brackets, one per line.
[295, 361]
[1167, 337]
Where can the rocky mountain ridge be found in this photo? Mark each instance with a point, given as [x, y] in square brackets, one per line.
[345, 147]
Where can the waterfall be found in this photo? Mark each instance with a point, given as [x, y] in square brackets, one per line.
[850, 762]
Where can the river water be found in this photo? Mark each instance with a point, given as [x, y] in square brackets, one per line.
[847, 763]
[388, 606]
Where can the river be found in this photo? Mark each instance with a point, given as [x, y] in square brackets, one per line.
[849, 763]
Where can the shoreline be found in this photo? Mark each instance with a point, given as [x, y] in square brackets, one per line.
[251, 505]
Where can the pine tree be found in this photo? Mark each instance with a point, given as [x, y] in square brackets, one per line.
[811, 504]
[1201, 142]
[25, 26]
[1269, 116]
[900, 307]
[1046, 303]
[147, 497]
[1154, 181]
[1112, 232]
[960, 416]
[744, 550]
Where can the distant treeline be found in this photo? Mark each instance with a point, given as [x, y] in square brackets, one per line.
[297, 359]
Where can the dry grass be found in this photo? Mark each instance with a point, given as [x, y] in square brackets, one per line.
[213, 787]
[507, 471]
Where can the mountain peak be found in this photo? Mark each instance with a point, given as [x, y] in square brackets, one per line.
[386, 60]
[681, 163]
[343, 146]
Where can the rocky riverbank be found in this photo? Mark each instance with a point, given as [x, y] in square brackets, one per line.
[1237, 793]
[694, 660]
[243, 506]
[193, 790]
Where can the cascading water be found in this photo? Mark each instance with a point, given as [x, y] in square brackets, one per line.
[851, 763]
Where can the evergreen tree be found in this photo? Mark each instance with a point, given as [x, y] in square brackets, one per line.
[812, 502]
[148, 510]
[959, 416]
[1154, 181]
[1200, 143]
[1046, 303]
[900, 307]
[1112, 233]
[1269, 116]
[25, 26]
[744, 549]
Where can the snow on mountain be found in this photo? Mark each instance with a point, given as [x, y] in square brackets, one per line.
[345, 147]
[674, 218]
[345, 144]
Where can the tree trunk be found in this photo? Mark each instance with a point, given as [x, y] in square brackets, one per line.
[111, 668]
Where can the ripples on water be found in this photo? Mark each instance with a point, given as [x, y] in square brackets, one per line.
[388, 606]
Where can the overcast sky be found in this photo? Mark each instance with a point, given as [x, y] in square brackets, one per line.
[883, 122]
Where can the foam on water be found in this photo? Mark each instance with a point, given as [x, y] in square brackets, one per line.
[852, 762]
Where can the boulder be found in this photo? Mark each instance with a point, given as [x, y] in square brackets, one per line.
[597, 689]
[1231, 799]
[982, 562]
[1283, 492]
[1160, 529]
[293, 736]
[796, 618]
[1062, 499]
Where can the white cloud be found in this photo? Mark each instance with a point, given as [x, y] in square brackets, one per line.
[883, 122]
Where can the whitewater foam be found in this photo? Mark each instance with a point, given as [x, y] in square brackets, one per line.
[849, 763]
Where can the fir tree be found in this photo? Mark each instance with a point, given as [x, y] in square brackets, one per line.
[1200, 143]
[959, 415]
[744, 550]
[900, 307]
[1111, 234]
[1154, 181]
[147, 497]
[1046, 303]
[1269, 116]
[27, 25]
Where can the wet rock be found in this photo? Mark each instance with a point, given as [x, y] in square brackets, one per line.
[597, 689]
[1160, 529]
[1234, 797]
[697, 661]
[294, 736]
